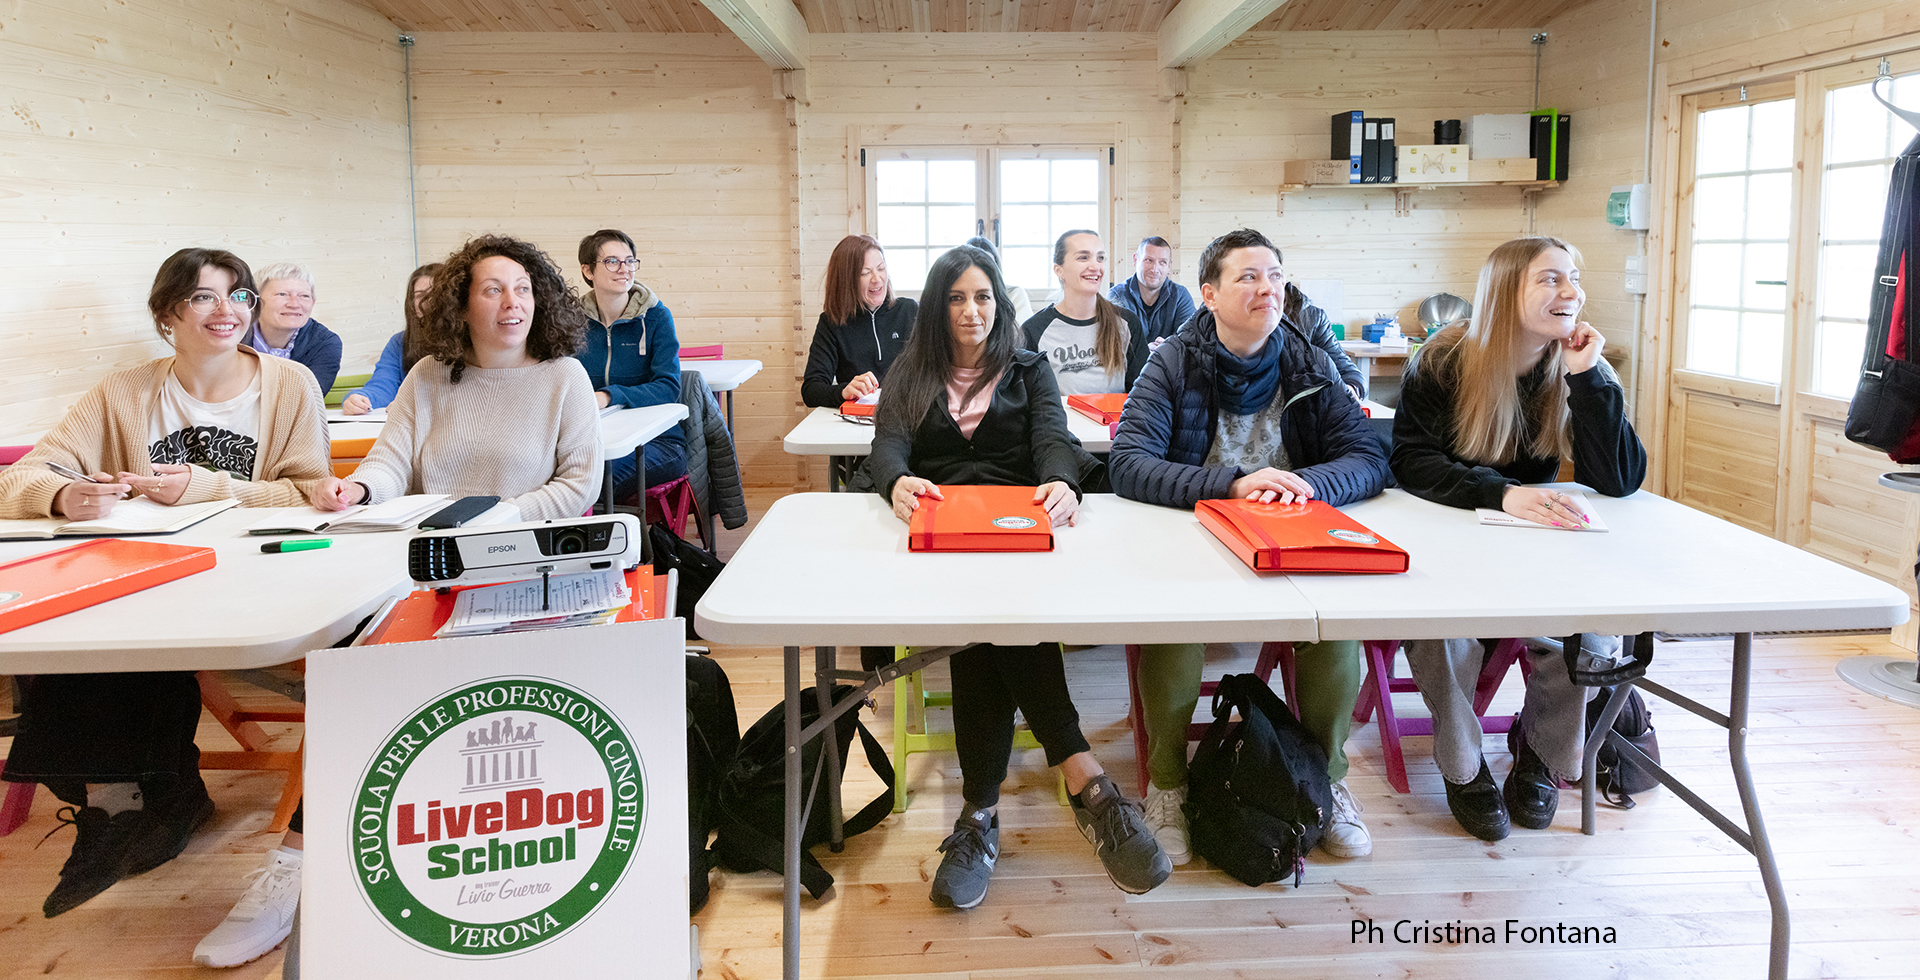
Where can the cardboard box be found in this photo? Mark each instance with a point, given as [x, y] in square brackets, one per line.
[1317, 172]
[1504, 168]
[1496, 136]
[1433, 164]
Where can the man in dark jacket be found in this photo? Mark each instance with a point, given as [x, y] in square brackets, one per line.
[1239, 403]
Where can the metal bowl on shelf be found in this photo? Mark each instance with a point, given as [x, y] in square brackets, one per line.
[1440, 309]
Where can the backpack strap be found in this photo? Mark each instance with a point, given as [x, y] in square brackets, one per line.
[744, 840]
[882, 805]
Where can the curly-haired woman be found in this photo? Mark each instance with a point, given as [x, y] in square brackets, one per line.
[498, 406]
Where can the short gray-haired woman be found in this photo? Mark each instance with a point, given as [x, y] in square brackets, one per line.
[284, 325]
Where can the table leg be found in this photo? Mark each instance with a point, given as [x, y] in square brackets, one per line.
[824, 663]
[1750, 803]
[729, 410]
[835, 465]
[790, 895]
[1590, 760]
[606, 487]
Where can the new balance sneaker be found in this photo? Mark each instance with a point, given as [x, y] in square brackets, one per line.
[1478, 807]
[103, 852]
[1168, 821]
[961, 882]
[260, 920]
[1346, 836]
[1133, 858]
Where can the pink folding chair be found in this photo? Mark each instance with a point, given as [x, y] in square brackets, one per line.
[705, 352]
[1378, 689]
[1271, 655]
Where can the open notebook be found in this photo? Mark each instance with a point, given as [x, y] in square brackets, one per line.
[130, 517]
[398, 514]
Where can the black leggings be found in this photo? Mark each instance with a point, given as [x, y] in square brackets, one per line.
[77, 729]
[989, 683]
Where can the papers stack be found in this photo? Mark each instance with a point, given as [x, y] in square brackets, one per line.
[135, 516]
[398, 514]
[586, 599]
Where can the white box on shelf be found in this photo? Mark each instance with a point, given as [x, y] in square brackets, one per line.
[1433, 164]
[1497, 135]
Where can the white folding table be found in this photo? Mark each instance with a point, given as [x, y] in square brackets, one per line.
[1182, 586]
[723, 376]
[824, 432]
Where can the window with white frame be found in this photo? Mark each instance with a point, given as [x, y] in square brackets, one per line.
[1742, 216]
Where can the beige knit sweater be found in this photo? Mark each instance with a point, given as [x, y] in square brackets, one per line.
[107, 429]
[529, 435]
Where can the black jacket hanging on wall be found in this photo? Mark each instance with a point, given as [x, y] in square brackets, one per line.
[1885, 413]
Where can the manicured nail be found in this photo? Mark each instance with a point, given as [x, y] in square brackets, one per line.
[1558, 524]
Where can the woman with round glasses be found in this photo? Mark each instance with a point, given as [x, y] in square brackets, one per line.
[632, 354]
[213, 420]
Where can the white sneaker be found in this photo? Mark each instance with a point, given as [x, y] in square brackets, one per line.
[1169, 822]
[260, 920]
[1346, 837]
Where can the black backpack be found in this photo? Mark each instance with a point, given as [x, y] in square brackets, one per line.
[713, 740]
[753, 803]
[698, 568]
[1613, 776]
[1258, 798]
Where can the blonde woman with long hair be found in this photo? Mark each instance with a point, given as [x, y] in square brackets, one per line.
[1489, 406]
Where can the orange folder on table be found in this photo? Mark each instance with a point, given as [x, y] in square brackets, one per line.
[59, 582]
[1310, 537]
[1104, 409]
[420, 615]
[855, 408]
[980, 519]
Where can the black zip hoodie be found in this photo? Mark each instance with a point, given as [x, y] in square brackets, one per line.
[843, 351]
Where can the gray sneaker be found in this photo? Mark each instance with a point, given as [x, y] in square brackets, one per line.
[1120, 835]
[961, 882]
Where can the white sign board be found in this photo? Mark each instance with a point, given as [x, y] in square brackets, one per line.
[498, 806]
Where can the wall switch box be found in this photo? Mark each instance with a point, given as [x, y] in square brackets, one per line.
[1636, 281]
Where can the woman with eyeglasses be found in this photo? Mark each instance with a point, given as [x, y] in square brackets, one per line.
[632, 354]
[213, 420]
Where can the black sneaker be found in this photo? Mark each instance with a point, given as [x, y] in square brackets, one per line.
[1531, 793]
[961, 882]
[102, 852]
[1120, 835]
[174, 822]
[1478, 807]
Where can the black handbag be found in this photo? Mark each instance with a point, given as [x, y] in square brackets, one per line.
[1616, 776]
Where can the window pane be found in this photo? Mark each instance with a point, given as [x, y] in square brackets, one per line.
[901, 180]
[1856, 126]
[1846, 280]
[1769, 199]
[900, 225]
[1712, 336]
[1031, 268]
[1760, 336]
[907, 268]
[1765, 264]
[1069, 216]
[1719, 207]
[1076, 180]
[1856, 205]
[1024, 224]
[1772, 146]
[950, 226]
[1023, 180]
[1716, 275]
[951, 180]
[1723, 141]
[1836, 357]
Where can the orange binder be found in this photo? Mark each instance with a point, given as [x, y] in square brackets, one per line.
[420, 615]
[58, 582]
[980, 519]
[855, 408]
[1310, 537]
[1104, 409]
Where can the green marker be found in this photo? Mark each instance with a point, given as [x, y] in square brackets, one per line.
[304, 544]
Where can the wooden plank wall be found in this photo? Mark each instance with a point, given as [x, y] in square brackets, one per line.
[677, 139]
[137, 128]
[1269, 97]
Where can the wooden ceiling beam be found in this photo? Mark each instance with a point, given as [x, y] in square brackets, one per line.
[774, 29]
[1197, 28]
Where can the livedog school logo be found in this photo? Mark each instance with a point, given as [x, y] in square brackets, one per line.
[498, 817]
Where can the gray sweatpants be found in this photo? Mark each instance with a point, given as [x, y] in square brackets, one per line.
[1553, 717]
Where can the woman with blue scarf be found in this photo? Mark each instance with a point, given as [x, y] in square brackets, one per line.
[1240, 404]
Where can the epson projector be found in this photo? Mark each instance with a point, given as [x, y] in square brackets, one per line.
[509, 552]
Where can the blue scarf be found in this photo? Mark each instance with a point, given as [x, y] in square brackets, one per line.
[1246, 384]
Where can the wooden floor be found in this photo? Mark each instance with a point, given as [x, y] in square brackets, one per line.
[1838, 774]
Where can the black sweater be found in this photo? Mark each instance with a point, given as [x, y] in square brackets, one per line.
[1022, 440]
[1607, 455]
[843, 351]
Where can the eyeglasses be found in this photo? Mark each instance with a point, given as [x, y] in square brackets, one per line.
[615, 265]
[205, 300]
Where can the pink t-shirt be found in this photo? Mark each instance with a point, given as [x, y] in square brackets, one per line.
[968, 416]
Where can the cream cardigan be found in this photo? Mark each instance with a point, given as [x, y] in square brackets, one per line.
[107, 429]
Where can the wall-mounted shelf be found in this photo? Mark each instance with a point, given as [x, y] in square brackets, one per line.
[1403, 192]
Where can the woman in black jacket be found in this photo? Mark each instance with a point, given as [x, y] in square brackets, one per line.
[862, 326]
[964, 405]
[1486, 407]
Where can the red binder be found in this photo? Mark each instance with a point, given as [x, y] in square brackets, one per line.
[58, 582]
[1104, 409]
[1310, 537]
[420, 615]
[980, 519]
[855, 408]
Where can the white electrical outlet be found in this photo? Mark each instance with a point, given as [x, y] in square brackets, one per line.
[1636, 280]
